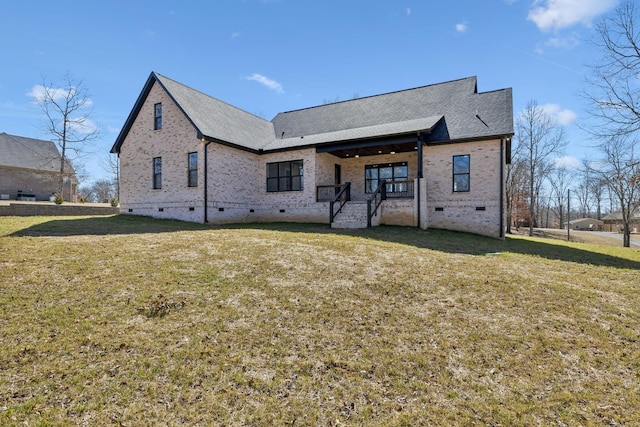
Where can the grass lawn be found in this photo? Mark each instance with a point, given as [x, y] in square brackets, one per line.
[132, 321]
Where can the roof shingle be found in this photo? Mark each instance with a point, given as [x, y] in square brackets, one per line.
[28, 153]
[456, 106]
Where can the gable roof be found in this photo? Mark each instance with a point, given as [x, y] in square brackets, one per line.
[450, 111]
[217, 119]
[467, 113]
[29, 153]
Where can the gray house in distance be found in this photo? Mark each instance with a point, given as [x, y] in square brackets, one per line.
[30, 170]
[431, 156]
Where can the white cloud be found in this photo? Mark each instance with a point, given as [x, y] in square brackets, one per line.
[461, 27]
[563, 116]
[568, 162]
[551, 15]
[83, 126]
[408, 11]
[235, 35]
[563, 42]
[38, 94]
[271, 84]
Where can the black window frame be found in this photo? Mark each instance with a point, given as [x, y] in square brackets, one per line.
[157, 116]
[157, 173]
[371, 183]
[461, 173]
[192, 169]
[281, 176]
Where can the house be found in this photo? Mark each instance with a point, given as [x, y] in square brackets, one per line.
[585, 224]
[613, 222]
[30, 170]
[432, 156]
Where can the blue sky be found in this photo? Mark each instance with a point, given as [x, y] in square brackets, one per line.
[268, 56]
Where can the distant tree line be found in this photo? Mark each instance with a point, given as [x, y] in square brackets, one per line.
[540, 187]
[100, 191]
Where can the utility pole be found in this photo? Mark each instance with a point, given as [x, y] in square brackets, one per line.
[568, 215]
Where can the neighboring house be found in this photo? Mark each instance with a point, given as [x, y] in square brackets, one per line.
[586, 224]
[30, 170]
[441, 149]
[613, 222]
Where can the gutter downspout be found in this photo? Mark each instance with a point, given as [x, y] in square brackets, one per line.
[206, 186]
[502, 141]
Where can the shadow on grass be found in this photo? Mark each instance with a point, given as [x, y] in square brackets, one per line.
[463, 243]
[107, 225]
[438, 240]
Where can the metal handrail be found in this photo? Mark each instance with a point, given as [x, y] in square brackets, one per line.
[376, 199]
[343, 196]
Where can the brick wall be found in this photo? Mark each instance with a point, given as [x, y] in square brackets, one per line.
[236, 183]
[173, 142]
[40, 183]
[476, 211]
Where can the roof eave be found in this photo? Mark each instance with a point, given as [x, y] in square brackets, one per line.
[471, 139]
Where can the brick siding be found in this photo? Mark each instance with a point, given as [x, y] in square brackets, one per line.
[237, 179]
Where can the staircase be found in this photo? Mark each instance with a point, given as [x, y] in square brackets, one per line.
[354, 215]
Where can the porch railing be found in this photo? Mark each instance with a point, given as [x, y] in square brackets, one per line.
[400, 189]
[340, 198]
[326, 193]
[375, 200]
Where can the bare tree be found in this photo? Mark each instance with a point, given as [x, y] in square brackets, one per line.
[515, 189]
[590, 190]
[112, 166]
[560, 180]
[597, 192]
[613, 87]
[620, 170]
[104, 189]
[67, 110]
[584, 188]
[100, 191]
[541, 138]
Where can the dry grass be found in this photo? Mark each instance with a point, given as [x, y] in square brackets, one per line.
[131, 321]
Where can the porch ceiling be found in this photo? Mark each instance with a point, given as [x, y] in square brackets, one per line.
[371, 148]
[374, 150]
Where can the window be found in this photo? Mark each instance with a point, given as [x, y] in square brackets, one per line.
[157, 173]
[389, 172]
[157, 116]
[461, 173]
[193, 170]
[285, 176]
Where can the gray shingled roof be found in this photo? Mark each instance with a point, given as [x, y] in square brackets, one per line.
[28, 153]
[349, 134]
[458, 101]
[456, 107]
[218, 119]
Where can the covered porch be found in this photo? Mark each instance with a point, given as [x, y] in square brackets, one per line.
[373, 181]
